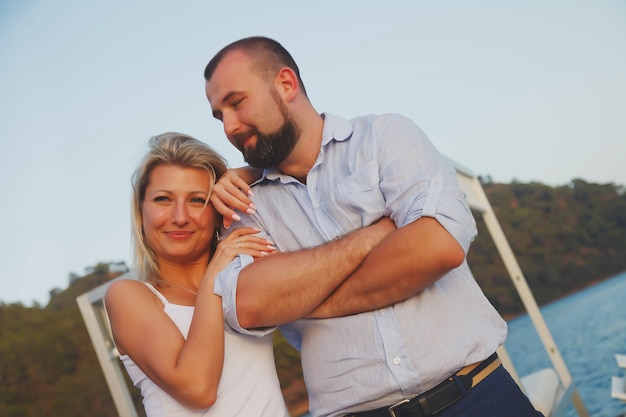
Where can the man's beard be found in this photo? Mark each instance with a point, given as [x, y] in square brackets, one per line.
[273, 148]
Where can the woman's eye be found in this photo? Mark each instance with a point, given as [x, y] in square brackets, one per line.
[198, 200]
[160, 198]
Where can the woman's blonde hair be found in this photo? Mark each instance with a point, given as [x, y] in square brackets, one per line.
[167, 149]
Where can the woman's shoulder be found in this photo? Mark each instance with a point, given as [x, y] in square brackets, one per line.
[119, 286]
[125, 290]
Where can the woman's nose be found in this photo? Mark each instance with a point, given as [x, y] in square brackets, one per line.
[179, 214]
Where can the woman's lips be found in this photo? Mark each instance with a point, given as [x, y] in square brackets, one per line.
[179, 234]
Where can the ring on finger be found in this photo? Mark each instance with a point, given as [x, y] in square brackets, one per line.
[239, 242]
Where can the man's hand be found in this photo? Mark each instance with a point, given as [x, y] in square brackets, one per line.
[404, 263]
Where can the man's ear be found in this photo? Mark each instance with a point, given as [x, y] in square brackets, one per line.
[287, 83]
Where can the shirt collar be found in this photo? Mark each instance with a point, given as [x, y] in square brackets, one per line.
[335, 128]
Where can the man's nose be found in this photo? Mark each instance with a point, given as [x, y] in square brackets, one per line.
[231, 124]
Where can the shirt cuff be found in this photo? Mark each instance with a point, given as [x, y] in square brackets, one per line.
[226, 287]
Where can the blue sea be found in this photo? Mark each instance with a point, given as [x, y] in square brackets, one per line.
[589, 328]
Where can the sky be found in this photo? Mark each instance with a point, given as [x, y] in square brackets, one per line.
[518, 91]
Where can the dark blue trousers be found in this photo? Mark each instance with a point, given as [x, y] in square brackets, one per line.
[496, 396]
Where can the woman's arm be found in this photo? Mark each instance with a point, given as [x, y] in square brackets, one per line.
[189, 370]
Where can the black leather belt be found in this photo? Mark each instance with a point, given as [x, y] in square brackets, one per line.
[440, 396]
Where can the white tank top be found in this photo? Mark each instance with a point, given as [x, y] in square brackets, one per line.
[249, 385]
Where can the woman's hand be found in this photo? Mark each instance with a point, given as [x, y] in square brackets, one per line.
[232, 192]
[241, 241]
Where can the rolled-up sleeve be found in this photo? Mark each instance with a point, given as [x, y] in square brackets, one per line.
[418, 181]
[226, 287]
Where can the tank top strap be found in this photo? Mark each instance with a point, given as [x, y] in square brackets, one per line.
[156, 292]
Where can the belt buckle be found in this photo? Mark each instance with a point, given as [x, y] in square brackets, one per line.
[392, 408]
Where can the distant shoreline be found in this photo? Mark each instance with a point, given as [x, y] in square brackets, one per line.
[509, 317]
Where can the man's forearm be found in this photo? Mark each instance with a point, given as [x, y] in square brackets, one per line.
[403, 264]
[287, 286]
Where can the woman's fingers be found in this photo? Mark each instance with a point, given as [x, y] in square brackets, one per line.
[244, 241]
[229, 189]
[227, 196]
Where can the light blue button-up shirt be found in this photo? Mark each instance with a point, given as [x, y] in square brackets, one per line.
[368, 167]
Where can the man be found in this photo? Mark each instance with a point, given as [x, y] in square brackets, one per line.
[408, 332]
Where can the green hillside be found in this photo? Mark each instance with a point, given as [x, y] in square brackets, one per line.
[564, 238]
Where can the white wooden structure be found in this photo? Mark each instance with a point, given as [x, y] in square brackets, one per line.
[91, 307]
[565, 391]
[551, 390]
[618, 384]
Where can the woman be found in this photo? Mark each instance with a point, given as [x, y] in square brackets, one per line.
[169, 327]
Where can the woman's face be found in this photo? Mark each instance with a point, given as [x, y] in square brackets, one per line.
[178, 222]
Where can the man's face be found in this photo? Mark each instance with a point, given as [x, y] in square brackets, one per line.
[256, 119]
[274, 147]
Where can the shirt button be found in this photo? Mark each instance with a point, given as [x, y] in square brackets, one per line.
[396, 360]
[382, 312]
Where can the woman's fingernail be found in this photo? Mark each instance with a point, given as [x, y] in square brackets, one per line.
[271, 247]
[252, 206]
[250, 193]
[235, 216]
